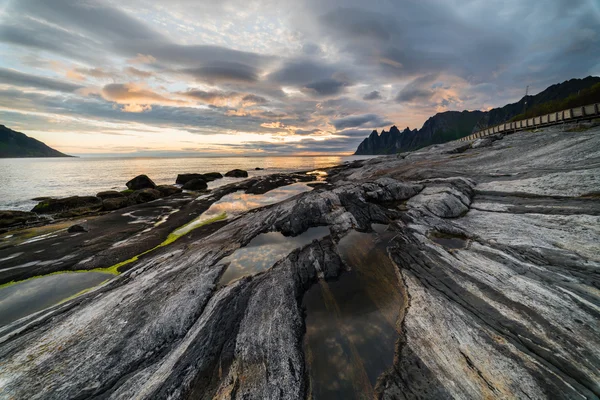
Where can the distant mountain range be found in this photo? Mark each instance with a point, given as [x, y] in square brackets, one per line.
[452, 125]
[15, 144]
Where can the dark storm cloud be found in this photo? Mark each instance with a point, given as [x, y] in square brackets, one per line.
[365, 120]
[16, 78]
[374, 95]
[252, 98]
[420, 89]
[325, 87]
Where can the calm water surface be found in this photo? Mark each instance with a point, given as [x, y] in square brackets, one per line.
[352, 323]
[27, 297]
[23, 179]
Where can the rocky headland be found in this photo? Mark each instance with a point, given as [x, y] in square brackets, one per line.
[462, 270]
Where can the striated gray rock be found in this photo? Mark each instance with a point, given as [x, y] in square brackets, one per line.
[497, 261]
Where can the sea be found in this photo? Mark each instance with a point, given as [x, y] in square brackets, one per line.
[24, 179]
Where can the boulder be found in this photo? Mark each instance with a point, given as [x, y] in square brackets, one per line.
[182, 179]
[141, 182]
[115, 203]
[144, 196]
[211, 176]
[110, 194]
[168, 190]
[195, 184]
[10, 218]
[73, 204]
[76, 229]
[237, 173]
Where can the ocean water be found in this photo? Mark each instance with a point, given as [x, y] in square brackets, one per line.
[22, 179]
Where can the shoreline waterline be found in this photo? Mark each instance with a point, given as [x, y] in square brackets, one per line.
[25, 179]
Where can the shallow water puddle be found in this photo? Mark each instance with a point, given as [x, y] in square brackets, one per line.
[352, 323]
[449, 241]
[30, 296]
[265, 250]
[238, 202]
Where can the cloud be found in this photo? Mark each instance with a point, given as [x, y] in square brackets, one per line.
[219, 72]
[252, 99]
[420, 89]
[134, 94]
[325, 87]
[16, 78]
[301, 72]
[136, 108]
[138, 72]
[232, 66]
[374, 95]
[364, 120]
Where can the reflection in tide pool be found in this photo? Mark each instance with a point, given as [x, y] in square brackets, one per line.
[32, 295]
[265, 250]
[236, 203]
[352, 324]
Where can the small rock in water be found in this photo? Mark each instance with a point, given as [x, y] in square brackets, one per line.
[182, 179]
[258, 169]
[237, 173]
[195, 184]
[76, 229]
[141, 182]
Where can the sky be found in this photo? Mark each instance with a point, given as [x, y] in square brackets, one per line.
[251, 77]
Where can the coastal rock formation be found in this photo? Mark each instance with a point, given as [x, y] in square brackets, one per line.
[237, 173]
[140, 182]
[494, 254]
[74, 205]
[452, 125]
[11, 218]
[440, 128]
[15, 144]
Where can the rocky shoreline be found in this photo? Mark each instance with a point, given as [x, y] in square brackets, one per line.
[476, 269]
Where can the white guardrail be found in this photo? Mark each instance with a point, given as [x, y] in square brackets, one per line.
[560, 117]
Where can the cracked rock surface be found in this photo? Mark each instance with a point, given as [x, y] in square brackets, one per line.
[496, 250]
